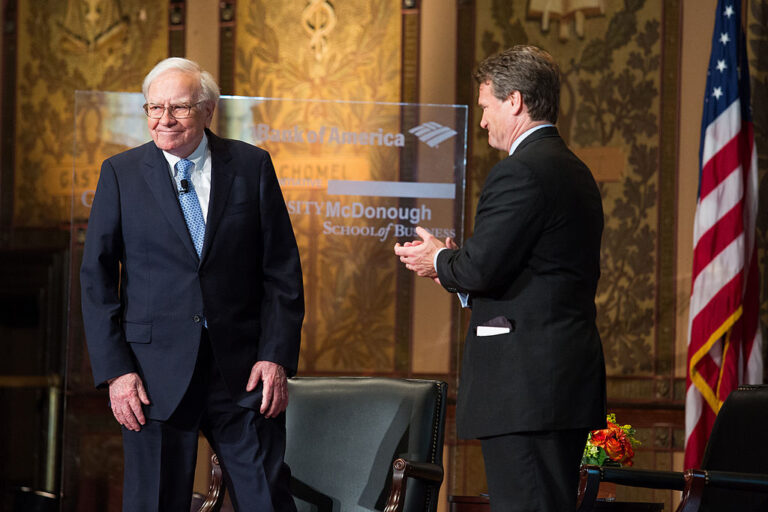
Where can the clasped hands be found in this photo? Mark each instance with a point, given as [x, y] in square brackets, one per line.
[127, 394]
[419, 255]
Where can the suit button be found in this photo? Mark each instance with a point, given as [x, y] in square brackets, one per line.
[197, 319]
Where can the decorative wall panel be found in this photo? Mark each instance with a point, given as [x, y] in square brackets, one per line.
[317, 49]
[610, 58]
[63, 46]
[333, 51]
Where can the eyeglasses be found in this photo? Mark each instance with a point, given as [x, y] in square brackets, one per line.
[155, 111]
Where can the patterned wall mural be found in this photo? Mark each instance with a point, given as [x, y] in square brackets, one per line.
[336, 51]
[64, 46]
[610, 58]
[318, 49]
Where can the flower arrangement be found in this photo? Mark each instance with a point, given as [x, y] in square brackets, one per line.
[615, 443]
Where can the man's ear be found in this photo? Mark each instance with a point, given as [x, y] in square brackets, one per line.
[209, 108]
[515, 99]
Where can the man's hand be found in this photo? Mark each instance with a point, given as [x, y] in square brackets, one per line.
[274, 392]
[419, 255]
[126, 394]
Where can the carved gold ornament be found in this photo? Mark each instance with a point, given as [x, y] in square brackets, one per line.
[318, 19]
[90, 24]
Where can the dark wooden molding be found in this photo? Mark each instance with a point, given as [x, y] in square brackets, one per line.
[177, 23]
[8, 110]
[227, 38]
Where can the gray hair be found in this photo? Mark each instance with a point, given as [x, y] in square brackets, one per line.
[209, 90]
[527, 69]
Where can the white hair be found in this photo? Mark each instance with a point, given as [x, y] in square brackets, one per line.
[209, 90]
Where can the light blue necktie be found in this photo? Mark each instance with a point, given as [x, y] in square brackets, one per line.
[190, 205]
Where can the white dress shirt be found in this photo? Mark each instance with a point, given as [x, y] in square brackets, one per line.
[200, 175]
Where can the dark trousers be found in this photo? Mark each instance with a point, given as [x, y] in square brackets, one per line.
[160, 459]
[534, 471]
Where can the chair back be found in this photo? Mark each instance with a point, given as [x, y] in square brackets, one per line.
[736, 444]
[343, 434]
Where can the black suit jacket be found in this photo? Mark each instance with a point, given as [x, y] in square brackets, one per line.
[145, 292]
[534, 260]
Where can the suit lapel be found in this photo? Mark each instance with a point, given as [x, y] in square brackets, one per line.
[221, 183]
[155, 169]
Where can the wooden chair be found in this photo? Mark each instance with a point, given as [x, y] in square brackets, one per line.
[358, 443]
[212, 501]
[734, 474]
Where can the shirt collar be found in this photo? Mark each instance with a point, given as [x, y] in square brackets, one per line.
[525, 134]
[196, 157]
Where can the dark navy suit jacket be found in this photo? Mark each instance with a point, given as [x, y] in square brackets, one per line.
[146, 294]
[533, 261]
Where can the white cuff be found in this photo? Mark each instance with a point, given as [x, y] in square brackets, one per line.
[434, 261]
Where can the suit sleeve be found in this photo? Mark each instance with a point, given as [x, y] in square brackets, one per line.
[510, 215]
[282, 308]
[99, 283]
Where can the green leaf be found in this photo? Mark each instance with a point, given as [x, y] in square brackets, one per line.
[596, 56]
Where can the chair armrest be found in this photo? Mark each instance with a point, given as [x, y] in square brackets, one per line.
[401, 471]
[696, 480]
[591, 476]
[754, 482]
[647, 478]
[215, 497]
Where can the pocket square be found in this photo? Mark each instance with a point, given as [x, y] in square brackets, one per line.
[484, 330]
[495, 326]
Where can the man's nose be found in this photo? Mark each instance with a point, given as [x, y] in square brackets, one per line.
[167, 118]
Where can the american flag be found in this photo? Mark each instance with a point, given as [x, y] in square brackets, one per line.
[724, 340]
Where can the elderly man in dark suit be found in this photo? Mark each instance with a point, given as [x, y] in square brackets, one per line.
[533, 377]
[193, 301]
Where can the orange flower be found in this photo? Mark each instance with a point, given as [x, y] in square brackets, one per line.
[599, 437]
[615, 442]
[619, 449]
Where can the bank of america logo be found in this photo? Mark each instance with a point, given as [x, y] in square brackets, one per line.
[432, 134]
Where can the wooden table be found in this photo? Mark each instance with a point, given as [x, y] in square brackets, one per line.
[480, 504]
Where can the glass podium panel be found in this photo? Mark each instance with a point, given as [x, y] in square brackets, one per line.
[357, 177]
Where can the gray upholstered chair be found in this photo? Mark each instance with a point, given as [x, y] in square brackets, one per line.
[734, 474]
[358, 443]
